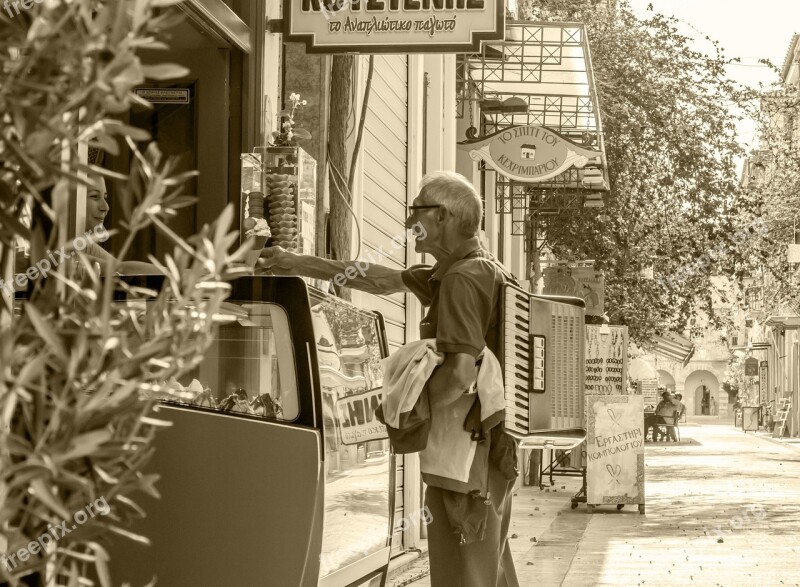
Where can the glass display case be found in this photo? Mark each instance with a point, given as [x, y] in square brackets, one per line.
[249, 367]
[279, 198]
[358, 463]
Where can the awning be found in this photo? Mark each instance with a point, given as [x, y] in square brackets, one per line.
[783, 321]
[753, 346]
[540, 75]
[674, 346]
[640, 369]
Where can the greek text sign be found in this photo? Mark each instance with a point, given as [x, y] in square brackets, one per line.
[530, 153]
[614, 450]
[393, 26]
[357, 417]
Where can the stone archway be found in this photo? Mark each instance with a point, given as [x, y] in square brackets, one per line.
[666, 379]
[701, 393]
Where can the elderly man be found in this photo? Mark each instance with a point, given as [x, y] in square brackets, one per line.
[461, 292]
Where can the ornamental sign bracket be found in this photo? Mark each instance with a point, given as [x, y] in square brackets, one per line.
[393, 26]
[530, 153]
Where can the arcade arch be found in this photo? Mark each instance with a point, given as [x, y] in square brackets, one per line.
[702, 393]
[665, 379]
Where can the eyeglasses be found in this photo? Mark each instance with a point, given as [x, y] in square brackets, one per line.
[413, 209]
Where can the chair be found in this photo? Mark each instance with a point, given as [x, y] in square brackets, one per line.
[663, 428]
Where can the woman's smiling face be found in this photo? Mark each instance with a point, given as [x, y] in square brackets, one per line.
[96, 204]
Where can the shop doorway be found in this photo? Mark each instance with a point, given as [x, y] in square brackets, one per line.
[704, 402]
[195, 120]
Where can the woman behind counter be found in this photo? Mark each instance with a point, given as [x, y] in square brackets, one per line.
[96, 212]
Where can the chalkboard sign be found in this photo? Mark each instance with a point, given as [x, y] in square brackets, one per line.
[614, 450]
[606, 360]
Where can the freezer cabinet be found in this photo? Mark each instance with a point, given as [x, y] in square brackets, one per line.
[274, 471]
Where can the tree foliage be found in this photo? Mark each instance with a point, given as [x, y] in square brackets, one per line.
[669, 223]
[771, 197]
[72, 361]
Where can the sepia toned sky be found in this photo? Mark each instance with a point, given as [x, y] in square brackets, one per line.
[745, 29]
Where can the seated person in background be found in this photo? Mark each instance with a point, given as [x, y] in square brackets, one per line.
[665, 414]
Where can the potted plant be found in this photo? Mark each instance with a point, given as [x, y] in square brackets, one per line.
[74, 432]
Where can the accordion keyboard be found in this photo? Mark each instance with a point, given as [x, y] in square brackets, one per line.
[542, 357]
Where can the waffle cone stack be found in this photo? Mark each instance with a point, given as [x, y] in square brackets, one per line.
[281, 190]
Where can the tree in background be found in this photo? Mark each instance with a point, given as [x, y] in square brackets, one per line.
[771, 198]
[670, 221]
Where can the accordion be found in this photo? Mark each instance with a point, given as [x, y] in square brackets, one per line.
[542, 355]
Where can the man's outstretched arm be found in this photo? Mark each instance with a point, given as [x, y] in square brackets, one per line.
[362, 275]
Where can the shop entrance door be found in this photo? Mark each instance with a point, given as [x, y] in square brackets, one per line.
[702, 401]
[196, 120]
[173, 126]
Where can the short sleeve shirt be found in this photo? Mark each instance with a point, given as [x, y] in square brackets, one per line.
[461, 294]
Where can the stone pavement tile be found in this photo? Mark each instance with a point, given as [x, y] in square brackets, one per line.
[739, 488]
[418, 571]
[726, 512]
[536, 515]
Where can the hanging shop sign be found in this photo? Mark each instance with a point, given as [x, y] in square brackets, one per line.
[530, 153]
[393, 26]
[581, 282]
[751, 367]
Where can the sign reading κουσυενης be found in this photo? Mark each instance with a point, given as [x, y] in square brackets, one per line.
[393, 26]
[530, 153]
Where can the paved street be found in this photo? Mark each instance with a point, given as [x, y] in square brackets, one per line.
[723, 510]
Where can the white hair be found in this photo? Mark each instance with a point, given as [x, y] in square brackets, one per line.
[457, 195]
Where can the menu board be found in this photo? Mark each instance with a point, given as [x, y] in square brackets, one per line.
[648, 389]
[614, 450]
[606, 360]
